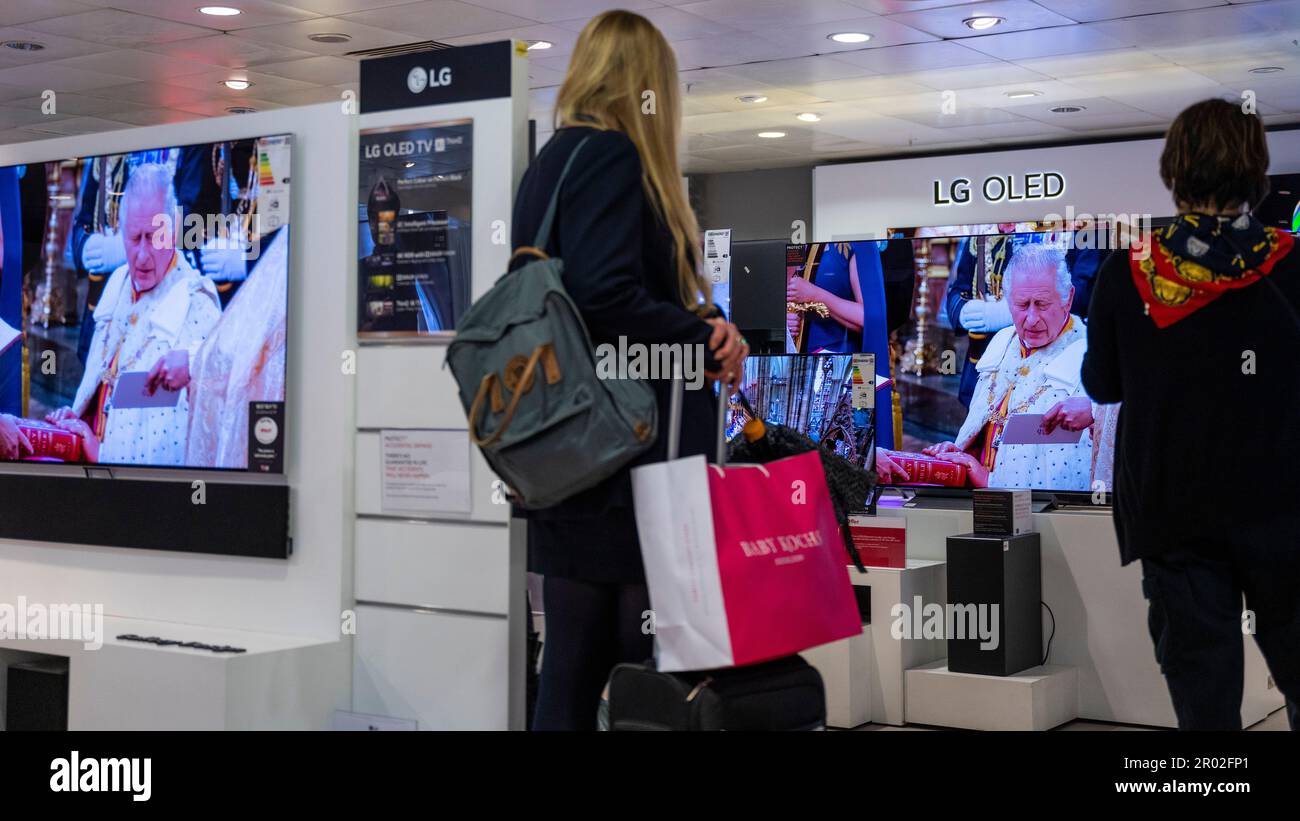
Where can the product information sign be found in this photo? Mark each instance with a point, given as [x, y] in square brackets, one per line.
[413, 244]
[424, 472]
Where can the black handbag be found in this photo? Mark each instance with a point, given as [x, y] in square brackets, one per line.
[783, 694]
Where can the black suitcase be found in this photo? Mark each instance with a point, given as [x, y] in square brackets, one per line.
[784, 694]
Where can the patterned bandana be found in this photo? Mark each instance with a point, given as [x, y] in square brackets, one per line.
[1199, 258]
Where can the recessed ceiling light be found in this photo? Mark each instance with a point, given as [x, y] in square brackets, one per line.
[1023, 93]
[1267, 70]
[771, 135]
[240, 109]
[538, 45]
[23, 45]
[849, 37]
[219, 11]
[236, 84]
[329, 37]
[410, 165]
[983, 22]
[808, 117]
[1067, 109]
[752, 98]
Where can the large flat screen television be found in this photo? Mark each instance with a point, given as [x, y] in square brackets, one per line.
[814, 395]
[143, 301]
[974, 389]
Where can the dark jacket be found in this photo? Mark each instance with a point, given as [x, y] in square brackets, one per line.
[1207, 438]
[619, 269]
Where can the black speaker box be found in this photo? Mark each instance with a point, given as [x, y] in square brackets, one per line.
[1005, 571]
[37, 696]
[234, 519]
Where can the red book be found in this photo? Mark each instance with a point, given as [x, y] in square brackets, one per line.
[50, 442]
[927, 470]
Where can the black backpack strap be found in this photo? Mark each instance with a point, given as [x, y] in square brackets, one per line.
[544, 232]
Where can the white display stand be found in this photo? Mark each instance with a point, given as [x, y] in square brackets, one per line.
[845, 667]
[1039, 698]
[1101, 615]
[440, 599]
[894, 657]
[279, 683]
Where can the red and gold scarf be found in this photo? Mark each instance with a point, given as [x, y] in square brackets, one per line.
[1200, 258]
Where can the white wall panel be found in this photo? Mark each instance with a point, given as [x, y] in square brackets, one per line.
[439, 565]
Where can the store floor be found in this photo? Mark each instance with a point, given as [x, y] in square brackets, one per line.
[1275, 721]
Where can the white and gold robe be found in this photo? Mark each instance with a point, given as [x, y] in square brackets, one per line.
[1052, 374]
[179, 312]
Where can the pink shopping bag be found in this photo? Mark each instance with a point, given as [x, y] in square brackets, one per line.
[744, 563]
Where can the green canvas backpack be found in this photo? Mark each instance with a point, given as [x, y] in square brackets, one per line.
[543, 419]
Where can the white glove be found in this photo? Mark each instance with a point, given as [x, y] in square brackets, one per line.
[222, 260]
[984, 317]
[103, 252]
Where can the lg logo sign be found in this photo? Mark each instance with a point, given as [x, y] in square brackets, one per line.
[419, 79]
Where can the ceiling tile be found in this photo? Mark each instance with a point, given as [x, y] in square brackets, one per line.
[1121, 119]
[561, 39]
[295, 36]
[1191, 28]
[1153, 80]
[896, 6]
[799, 70]
[438, 19]
[1015, 129]
[68, 104]
[1023, 45]
[57, 77]
[320, 70]
[975, 76]
[730, 51]
[814, 39]
[773, 15]
[1087, 11]
[137, 65]
[154, 116]
[210, 83]
[17, 12]
[947, 21]
[1095, 62]
[1092, 107]
[551, 11]
[252, 12]
[963, 116]
[76, 125]
[861, 88]
[119, 29]
[56, 47]
[231, 51]
[13, 115]
[915, 57]
[539, 77]
[333, 8]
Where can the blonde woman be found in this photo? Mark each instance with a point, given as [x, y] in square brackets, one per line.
[629, 243]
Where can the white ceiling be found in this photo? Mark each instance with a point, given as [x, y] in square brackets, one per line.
[1131, 65]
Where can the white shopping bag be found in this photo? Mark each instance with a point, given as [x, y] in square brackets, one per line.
[674, 520]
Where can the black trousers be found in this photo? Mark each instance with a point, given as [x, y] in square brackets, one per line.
[590, 627]
[1198, 625]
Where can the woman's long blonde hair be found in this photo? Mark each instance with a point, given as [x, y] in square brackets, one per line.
[623, 76]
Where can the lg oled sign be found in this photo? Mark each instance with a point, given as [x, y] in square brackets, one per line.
[1039, 185]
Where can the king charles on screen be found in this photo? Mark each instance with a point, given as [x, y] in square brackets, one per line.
[1032, 367]
[154, 313]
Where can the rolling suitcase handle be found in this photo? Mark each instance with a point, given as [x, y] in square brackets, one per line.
[675, 419]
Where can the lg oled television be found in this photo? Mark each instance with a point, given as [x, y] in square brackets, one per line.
[814, 395]
[143, 299]
[986, 359]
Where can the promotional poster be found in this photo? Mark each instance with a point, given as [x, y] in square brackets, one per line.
[413, 244]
